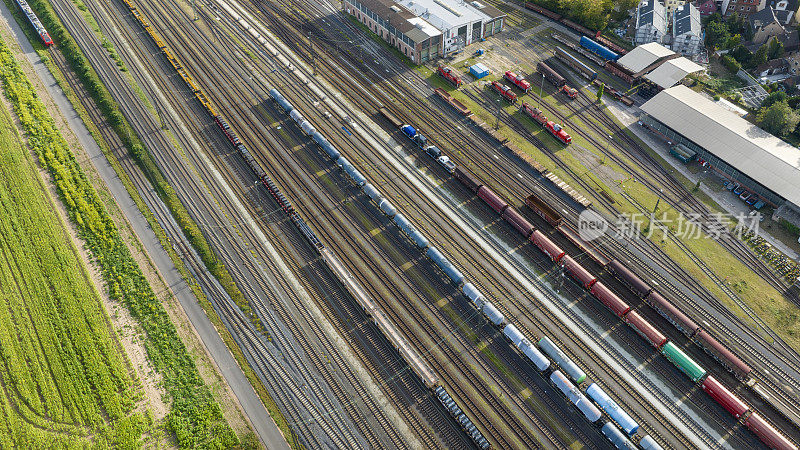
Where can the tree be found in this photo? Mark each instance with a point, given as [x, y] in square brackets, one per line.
[760, 56]
[779, 118]
[734, 41]
[600, 93]
[742, 54]
[731, 64]
[774, 97]
[776, 49]
[735, 23]
[716, 34]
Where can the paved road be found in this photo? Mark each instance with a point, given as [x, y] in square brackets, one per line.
[263, 424]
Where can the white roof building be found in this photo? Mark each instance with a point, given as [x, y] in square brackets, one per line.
[643, 56]
[735, 142]
[672, 72]
[460, 22]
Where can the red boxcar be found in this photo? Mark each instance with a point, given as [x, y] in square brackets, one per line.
[673, 314]
[623, 274]
[467, 179]
[516, 220]
[577, 271]
[542, 11]
[610, 299]
[722, 354]
[767, 433]
[645, 329]
[492, 199]
[724, 397]
[546, 245]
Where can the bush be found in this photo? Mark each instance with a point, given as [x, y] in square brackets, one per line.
[731, 64]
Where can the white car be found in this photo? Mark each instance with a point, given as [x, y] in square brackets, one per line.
[446, 163]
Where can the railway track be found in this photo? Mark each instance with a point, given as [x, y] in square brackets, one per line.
[79, 20]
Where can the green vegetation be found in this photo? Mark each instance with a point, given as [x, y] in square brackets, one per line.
[593, 14]
[99, 93]
[66, 380]
[195, 418]
[779, 118]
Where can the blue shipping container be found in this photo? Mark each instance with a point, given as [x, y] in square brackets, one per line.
[479, 70]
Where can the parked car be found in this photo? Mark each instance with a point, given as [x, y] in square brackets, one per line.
[738, 189]
[746, 195]
[759, 204]
[446, 163]
[750, 201]
[433, 151]
[731, 186]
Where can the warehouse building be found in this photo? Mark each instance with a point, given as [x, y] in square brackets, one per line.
[425, 30]
[734, 147]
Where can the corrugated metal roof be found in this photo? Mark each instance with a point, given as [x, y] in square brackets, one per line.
[672, 72]
[763, 157]
[644, 55]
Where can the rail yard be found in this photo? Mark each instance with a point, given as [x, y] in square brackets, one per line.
[404, 273]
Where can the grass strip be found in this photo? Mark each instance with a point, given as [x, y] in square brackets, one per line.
[195, 418]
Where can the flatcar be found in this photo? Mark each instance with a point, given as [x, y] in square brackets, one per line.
[576, 64]
[390, 117]
[588, 249]
[551, 75]
[543, 11]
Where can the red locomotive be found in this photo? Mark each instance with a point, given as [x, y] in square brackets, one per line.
[505, 91]
[518, 80]
[554, 128]
[569, 91]
[450, 75]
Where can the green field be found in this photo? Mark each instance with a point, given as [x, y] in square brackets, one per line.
[65, 379]
[99, 410]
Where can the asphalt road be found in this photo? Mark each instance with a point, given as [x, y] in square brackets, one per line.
[263, 424]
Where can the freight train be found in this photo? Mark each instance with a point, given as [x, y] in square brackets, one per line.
[35, 22]
[568, 375]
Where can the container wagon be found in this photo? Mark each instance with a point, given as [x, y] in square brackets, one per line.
[598, 49]
[576, 64]
[551, 75]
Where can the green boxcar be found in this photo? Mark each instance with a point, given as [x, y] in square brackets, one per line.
[683, 362]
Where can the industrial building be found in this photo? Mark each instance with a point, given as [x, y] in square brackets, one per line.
[425, 30]
[733, 147]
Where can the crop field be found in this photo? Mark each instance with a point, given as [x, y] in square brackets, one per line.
[65, 380]
[65, 383]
